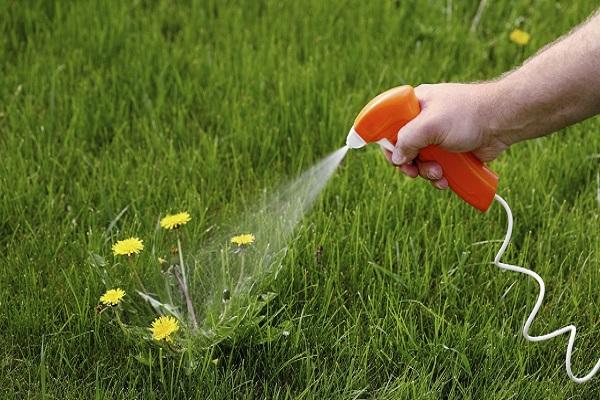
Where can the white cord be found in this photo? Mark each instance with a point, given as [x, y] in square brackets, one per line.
[570, 328]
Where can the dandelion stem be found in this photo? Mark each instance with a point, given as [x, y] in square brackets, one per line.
[181, 265]
[135, 274]
[120, 323]
[242, 267]
[225, 270]
[224, 312]
[183, 284]
[137, 277]
[168, 289]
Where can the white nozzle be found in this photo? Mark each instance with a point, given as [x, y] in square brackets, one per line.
[354, 141]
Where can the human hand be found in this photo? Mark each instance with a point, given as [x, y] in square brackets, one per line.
[456, 117]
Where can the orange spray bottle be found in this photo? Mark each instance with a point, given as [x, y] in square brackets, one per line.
[381, 119]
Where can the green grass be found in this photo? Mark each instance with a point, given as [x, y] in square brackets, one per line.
[159, 106]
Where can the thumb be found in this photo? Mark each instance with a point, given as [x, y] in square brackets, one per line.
[412, 137]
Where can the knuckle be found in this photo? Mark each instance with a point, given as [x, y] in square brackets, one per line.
[436, 130]
[432, 125]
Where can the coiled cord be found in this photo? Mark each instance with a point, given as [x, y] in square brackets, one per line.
[571, 329]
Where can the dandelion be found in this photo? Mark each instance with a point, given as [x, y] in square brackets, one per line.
[112, 297]
[519, 37]
[130, 246]
[244, 239]
[174, 221]
[171, 222]
[163, 327]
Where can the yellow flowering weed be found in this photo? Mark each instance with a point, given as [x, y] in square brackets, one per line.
[127, 247]
[174, 221]
[519, 37]
[244, 239]
[163, 327]
[112, 297]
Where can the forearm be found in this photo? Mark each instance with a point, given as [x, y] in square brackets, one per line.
[557, 87]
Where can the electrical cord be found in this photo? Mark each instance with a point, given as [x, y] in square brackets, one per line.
[571, 329]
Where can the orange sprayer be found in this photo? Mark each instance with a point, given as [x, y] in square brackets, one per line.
[379, 122]
[381, 119]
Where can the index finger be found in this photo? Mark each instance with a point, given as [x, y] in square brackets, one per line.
[408, 169]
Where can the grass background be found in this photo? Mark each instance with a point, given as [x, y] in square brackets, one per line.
[161, 106]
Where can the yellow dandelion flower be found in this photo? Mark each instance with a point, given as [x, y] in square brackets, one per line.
[519, 37]
[128, 247]
[174, 221]
[112, 297]
[244, 239]
[163, 327]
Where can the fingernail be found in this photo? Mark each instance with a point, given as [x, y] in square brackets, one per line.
[434, 173]
[441, 184]
[397, 158]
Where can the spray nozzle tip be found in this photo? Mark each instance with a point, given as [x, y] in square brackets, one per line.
[354, 141]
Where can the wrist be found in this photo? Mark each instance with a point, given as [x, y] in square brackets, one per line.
[500, 119]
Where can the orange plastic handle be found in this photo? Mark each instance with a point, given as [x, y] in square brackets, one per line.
[467, 176]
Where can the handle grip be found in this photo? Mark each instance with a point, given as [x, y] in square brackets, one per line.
[467, 176]
[381, 119]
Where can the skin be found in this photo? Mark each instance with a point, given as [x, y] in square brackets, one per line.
[557, 87]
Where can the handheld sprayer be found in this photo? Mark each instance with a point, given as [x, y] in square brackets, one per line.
[379, 122]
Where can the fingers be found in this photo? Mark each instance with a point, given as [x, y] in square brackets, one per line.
[440, 184]
[408, 169]
[429, 170]
[412, 137]
[386, 153]
[433, 172]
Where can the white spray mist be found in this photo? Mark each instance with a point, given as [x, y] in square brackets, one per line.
[223, 271]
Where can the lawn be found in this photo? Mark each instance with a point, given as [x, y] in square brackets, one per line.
[113, 113]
